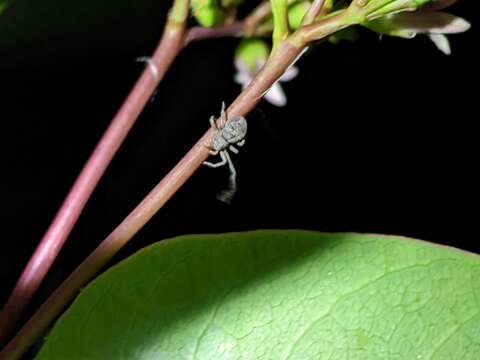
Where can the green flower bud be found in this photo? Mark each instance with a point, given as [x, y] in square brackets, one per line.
[378, 8]
[328, 5]
[251, 51]
[296, 12]
[367, 10]
[207, 12]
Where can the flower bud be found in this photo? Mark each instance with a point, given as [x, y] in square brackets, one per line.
[373, 9]
[407, 25]
[207, 12]
[251, 52]
[433, 24]
[296, 12]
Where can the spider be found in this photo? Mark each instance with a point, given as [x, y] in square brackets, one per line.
[229, 132]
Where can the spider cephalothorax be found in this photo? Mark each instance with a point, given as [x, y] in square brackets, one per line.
[230, 132]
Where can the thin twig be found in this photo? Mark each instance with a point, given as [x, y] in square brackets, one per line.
[313, 12]
[69, 212]
[196, 33]
[281, 28]
[284, 55]
[256, 17]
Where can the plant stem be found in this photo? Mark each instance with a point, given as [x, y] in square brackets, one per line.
[329, 24]
[199, 33]
[145, 210]
[281, 58]
[256, 17]
[178, 15]
[69, 212]
[313, 11]
[253, 21]
[281, 29]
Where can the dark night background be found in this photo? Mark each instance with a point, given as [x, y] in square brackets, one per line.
[378, 136]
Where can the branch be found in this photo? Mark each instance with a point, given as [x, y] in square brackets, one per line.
[281, 30]
[69, 212]
[196, 33]
[256, 17]
[327, 25]
[283, 56]
[313, 12]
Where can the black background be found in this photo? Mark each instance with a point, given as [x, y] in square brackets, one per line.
[378, 136]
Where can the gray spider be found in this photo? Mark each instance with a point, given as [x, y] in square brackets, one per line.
[229, 132]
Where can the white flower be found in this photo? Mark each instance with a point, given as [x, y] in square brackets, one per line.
[275, 95]
[457, 25]
[428, 21]
[434, 24]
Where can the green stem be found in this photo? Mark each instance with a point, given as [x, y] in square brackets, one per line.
[313, 12]
[178, 15]
[281, 30]
[328, 25]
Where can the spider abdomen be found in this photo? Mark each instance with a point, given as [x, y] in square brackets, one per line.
[234, 131]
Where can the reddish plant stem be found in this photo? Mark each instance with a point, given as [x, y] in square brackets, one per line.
[313, 12]
[199, 33]
[70, 210]
[284, 55]
[59, 299]
[256, 17]
[68, 214]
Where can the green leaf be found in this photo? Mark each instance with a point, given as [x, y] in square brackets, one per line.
[278, 295]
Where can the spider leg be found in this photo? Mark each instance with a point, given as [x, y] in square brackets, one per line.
[240, 143]
[213, 122]
[223, 155]
[233, 173]
[223, 116]
[211, 150]
[228, 194]
[233, 149]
